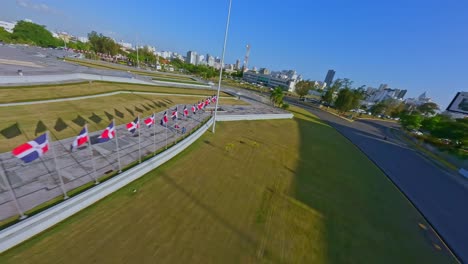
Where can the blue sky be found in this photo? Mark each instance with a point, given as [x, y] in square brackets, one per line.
[409, 44]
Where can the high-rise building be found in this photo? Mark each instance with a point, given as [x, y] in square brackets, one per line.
[238, 64]
[210, 60]
[329, 77]
[191, 57]
[383, 86]
[401, 94]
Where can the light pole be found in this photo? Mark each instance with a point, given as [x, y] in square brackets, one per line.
[222, 65]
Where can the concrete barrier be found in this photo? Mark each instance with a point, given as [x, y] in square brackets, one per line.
[36, 224]
[221, 117]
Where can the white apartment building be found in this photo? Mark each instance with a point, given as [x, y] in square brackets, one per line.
[8, 26]
[285, 79]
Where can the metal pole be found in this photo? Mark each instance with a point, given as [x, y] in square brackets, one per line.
[154, 133]
[62, 185]
[222, 64]
[138, 61]
[13, 196]
[117, 145]
[139, 139]
[92, 156]
[166, 128]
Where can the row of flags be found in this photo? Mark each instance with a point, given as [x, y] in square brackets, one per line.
[34, 149]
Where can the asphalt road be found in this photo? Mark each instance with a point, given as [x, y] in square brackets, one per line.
[442, 197]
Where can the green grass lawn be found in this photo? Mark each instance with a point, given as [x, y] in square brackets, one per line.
[65, 119]
[44, 92]
[282, 191]
[108, 66]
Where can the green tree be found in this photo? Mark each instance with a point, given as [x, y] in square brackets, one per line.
[303, 87]
[411, 121]
[276, 96]
[28, 32]
[428, 108]
[348, 99]
[102, 44]
[378, 108]
[5, 36]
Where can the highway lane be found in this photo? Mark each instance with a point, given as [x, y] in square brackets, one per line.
[442, 197]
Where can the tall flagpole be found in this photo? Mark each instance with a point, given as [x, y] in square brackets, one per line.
[222, 65]
[166, 127]
[117, 145]
[139, 140]
[154, 132]
[92, 155]
[62, 185]
[13, 196]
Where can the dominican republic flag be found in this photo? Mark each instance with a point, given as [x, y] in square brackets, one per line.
[150, 121]
[164, 120]
[174, 114]
[207, 102]
[176, 126]
[132, 126]
[194, 109]
[108, 133]
[33, 149]
[200, 105]
[185, 111]
[213, 99]
[80, 139]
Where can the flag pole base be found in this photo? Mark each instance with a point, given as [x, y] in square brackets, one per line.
[96, 183]
[65, 197]
[23, 217]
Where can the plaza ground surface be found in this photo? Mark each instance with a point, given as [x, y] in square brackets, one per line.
[283, 191]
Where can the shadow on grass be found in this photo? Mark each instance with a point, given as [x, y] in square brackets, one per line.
[95, 118]
[11, 131]
[118, 113]
[130, 111]
[60, 125]
[40, 128]
[366, 219]
[109, 116]
[79, 121]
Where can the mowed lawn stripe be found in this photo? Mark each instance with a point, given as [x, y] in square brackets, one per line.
[256, 191]
[45, 92]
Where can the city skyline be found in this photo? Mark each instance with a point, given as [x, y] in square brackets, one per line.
[408, 45]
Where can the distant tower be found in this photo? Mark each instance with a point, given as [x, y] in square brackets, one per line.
[329, 77]
[246, 58]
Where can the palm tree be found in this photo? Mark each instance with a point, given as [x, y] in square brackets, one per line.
[276, 96]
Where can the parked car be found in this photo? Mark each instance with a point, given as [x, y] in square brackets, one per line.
[416, 132]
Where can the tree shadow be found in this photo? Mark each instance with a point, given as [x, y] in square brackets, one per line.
[130, 111]
[11, 131]
[139, 110]
[150, 105]
[145, 107]
[95, 118]
[40, 128]
[60, 125]
[118, 113]
[109, 116]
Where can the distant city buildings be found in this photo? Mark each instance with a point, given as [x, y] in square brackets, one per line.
[191, 57]
[422, 99]
[329, 78]
[210, 60]
[8, 26]
[238, 65]
[125, 45]
[285, 79]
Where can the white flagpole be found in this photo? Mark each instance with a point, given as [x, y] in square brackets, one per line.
[13, 196]
[139, 140]
[166, 127]
[92, 155]
[117, 145]
[154, 132]
[222, 65]
[62, 185]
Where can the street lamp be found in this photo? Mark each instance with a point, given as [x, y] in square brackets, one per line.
[222, 65]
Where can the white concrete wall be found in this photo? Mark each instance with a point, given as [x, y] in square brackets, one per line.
[36, 224]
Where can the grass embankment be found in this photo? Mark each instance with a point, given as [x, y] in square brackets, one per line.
[45, 92]
[65, 119]
[287, 191]
[156, 75]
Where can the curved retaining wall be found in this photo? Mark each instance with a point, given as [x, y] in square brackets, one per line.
[36, 224]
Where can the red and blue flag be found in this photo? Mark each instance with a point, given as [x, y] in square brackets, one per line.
[80, 139]
[134, 125]
[150, 121]
[33, 149]
[108, 133]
